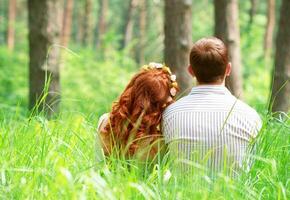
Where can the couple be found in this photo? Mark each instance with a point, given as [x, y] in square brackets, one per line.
[207, 123]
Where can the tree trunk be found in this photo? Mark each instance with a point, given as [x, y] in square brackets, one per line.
[227, 29]
[11, 24]
[268, 40]
[129, 23]
[281, 75]
[87, 23]
[44, 31]
[102, 25]
[142, 30]
[3, 19]
[67, 22]
[178, 40]
[77, 27]
[253, 10]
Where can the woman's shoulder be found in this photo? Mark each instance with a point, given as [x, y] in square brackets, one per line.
[103, 121]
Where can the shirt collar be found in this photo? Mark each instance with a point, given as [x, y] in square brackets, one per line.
[210, 89]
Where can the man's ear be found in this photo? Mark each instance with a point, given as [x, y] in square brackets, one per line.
[229, 69]
[190, 70]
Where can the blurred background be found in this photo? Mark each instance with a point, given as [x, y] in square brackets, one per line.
[88, 49]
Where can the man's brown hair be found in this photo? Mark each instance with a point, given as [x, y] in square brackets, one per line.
[209, 59]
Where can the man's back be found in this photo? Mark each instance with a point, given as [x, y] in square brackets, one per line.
[211, 127]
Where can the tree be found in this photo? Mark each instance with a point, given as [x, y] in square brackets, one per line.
[177, 28]
[102, 24]
[11, 24]
[67, 22]
[77, 25]
[44, 31]
[87, 23]
[142, 30]
[280, 94]
[2, 21]
[268, 39]
[227, 29]
[253, 10]
[129, 23]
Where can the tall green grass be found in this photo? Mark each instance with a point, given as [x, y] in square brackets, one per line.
[57, 159]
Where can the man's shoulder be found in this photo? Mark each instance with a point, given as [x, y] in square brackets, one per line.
[251, 116]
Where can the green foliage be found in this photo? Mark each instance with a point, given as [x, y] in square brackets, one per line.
[256, 72]
[202, 20]
[56, 159]
[13, 78]
[270, 171]
[89, 86]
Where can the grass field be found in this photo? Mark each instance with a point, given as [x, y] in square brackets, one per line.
[56, 159]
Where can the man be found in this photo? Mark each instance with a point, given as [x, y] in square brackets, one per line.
[210, 126]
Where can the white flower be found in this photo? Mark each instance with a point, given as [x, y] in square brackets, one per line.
[156, 65]
[151, 65]
[173, 78]
[173, 91]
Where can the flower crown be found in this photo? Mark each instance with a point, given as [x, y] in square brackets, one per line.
[174, 85]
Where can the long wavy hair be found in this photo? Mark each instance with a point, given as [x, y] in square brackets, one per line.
[138, 111]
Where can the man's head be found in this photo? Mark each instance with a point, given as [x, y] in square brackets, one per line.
[209, 61]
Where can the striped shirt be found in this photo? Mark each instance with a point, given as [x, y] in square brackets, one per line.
[210, 127]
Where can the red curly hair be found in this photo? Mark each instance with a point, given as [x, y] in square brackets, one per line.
[137, 114]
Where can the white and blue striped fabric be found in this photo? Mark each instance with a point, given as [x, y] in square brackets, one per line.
[210, 126]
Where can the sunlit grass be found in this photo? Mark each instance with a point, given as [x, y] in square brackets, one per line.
[56, 159]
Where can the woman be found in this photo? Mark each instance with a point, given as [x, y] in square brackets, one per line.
[132, 128]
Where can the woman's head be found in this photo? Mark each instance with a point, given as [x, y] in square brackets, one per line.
[137, 113]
